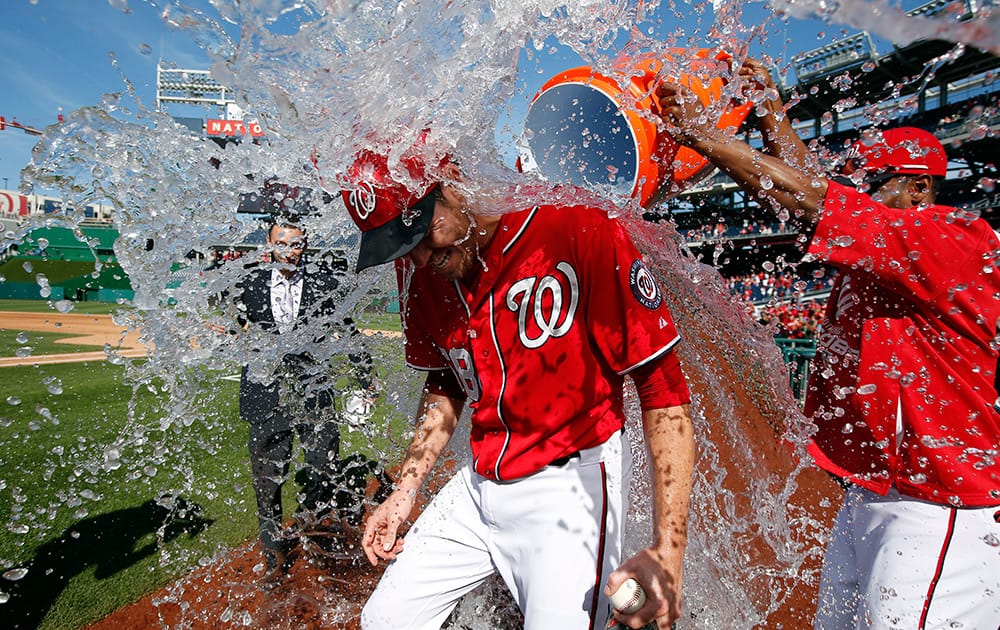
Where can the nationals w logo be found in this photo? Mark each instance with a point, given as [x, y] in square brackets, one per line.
[363, 200]
[551, 319]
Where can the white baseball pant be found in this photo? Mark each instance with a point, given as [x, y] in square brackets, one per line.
[899, 562]
[554, 537]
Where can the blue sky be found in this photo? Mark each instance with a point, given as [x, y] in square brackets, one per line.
[56, 58]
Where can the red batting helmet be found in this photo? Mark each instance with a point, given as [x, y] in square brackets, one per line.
[393, 216]
[900, 151]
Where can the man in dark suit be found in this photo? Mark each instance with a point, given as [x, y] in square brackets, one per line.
[286, 297]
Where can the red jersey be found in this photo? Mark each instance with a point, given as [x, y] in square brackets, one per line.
[902, 388]
[562, 309]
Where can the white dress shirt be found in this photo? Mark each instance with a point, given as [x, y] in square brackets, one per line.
[286, 296]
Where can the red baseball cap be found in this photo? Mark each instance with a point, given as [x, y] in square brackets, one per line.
[393, 216]
[900, 151]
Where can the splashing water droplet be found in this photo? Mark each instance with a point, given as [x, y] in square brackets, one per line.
[112, 458]
[15, 574]
[63, 306]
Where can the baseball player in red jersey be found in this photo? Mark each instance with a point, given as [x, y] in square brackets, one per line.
[534, 318]
[903, 388]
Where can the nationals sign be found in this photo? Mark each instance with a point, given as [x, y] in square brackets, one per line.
[232, 128]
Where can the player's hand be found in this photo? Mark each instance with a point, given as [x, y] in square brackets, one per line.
[757, 87]
[755, 74]
[686, 118]
[661, 576]
[380, 539]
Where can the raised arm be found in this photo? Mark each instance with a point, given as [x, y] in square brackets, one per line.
[788, 186]
[779, 137]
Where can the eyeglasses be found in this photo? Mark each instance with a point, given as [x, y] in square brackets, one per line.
[287, 246]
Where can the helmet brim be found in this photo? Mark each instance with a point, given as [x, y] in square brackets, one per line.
[398, 237]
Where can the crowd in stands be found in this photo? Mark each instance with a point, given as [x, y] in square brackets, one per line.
[794, 320]
[746, 227]
[780, 299]
[763, 285]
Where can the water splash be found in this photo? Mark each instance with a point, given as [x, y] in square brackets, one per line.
[325, 79]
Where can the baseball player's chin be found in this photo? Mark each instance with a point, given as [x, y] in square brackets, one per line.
[452, 264]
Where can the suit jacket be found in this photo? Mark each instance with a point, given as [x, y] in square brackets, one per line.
[319, 302]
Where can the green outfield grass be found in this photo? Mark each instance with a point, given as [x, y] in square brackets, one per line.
[374, 321]
[379, 321]
[85, 526]
[57, 271]
[85, 522]
[43, 306]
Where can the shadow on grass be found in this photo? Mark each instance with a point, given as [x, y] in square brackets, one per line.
[110, 542]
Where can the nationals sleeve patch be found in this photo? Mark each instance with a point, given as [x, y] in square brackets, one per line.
[644, 286]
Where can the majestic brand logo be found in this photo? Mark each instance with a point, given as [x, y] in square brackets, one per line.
[552, 317]
[363, 201]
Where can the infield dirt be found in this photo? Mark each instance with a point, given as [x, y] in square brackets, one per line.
[86, 330]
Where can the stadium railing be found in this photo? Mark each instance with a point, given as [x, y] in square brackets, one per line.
[797, 355]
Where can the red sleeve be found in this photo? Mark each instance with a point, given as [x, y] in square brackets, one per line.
[860, 236]
[444, 383]
[421, 352]
[661, 384]
[627, 315]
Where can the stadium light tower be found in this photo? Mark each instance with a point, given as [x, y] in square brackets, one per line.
[190, 87]
[197, 87]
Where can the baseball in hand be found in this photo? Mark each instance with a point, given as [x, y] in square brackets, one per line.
[629, 597]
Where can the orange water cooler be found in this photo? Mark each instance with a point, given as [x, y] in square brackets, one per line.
[599, 132]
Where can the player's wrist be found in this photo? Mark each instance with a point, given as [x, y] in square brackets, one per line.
[410, 492]
[667, 546]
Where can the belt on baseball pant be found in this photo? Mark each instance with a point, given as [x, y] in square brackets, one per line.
[562, 461]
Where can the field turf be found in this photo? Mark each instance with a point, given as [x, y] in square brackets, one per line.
[106, 496]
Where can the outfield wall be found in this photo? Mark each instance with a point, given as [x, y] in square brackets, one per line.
[66, 260]
[28, 291]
